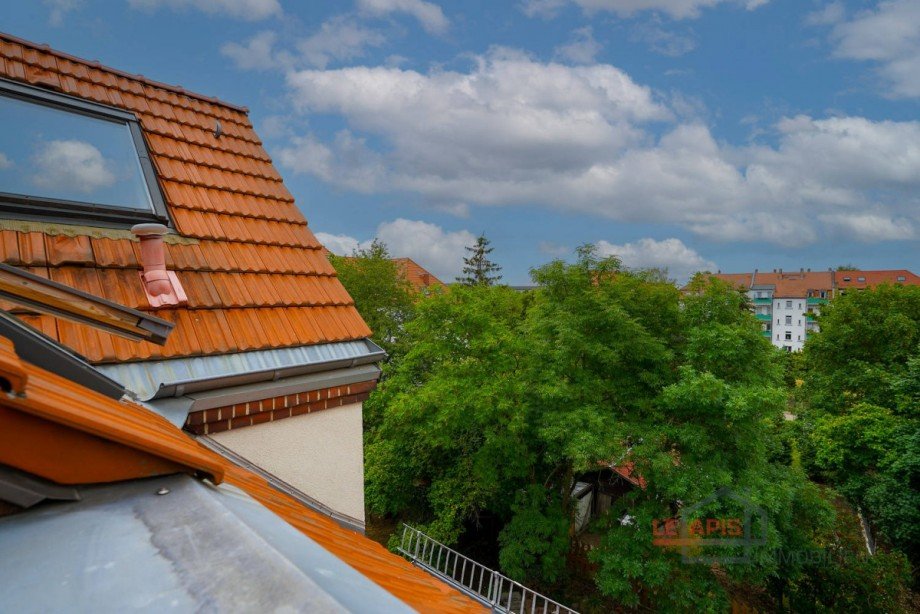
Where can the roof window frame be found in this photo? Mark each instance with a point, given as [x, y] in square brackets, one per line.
[24, 206]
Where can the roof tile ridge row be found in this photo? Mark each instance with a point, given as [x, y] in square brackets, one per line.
[254, 207]
[215, 144]
[249, 216]
[177, 89]
[177, 155]
[275, 177]
[254, 140]
[246, 192]
[227, 145]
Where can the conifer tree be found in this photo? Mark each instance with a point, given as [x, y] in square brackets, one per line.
[478, 270]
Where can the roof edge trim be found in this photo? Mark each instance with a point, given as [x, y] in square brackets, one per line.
[176, 377]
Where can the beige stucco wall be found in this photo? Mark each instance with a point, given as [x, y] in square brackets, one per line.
[319, 453]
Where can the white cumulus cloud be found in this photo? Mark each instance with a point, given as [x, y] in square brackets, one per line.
[340, 245]
[515, 131]
[581, 49]
[889, 36]
[340, 38]
[676, 9]
[438, 250]
[257, 53]
[251, 10]
[72, 165]
[671, 254]
[428, 14]
[870, 227]
[5, 162]
[59, 10]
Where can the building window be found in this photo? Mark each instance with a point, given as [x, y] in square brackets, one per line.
[788, 320]
[800, 337]
[788, 335]
[800, 322]
[861, 279]
[846, 279]
[800, 306]
[73, 160]
[901, 278]
[788, 304]
[788, 348]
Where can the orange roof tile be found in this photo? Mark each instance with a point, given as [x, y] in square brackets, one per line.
[246, 246]
[851, 279]
[417, 275]
[794, 284]
[69, 434]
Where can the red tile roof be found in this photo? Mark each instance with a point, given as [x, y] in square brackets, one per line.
[255, 275]
[796, 284]
[875, 278]
[416, 275]
[69, 434]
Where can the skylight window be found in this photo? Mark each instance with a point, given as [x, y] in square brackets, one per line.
[69, 159]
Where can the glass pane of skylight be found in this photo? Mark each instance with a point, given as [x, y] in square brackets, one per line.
[50, 153]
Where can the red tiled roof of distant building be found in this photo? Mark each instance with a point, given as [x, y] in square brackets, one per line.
[417, 275]
[868, 279]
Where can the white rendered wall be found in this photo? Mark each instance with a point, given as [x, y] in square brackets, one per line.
[798, 326]
[320, 454]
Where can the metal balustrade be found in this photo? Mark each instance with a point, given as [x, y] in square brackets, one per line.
[491, 588]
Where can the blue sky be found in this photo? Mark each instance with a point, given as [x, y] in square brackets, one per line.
[722, 134]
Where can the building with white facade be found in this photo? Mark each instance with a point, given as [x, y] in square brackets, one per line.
[787, 302]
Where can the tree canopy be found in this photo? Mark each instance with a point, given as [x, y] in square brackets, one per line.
[502, 399]
[381, 293]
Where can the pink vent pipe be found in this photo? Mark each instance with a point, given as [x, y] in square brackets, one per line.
[161, 286]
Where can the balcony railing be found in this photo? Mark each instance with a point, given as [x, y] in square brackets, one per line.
[492, 589]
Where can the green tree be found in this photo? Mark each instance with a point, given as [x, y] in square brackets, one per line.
[860, 429]
[503, 399]
[454, 439]
[381, 293]
[478, 270]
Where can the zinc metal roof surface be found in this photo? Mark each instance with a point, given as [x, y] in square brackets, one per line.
[62, 405]
[254, 272]
[123, 547]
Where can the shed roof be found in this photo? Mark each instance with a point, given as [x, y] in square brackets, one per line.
[61, 431]
[254, 273]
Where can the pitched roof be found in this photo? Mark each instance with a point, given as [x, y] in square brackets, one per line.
[254, 273]
[417, 275]
[795, 284]
[59, 430]
[851, 279]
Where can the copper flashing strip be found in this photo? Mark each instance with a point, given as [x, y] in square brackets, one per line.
[53, 298]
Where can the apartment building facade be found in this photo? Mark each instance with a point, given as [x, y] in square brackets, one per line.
[787, 302]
